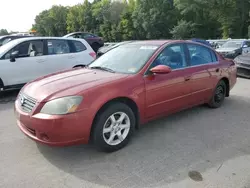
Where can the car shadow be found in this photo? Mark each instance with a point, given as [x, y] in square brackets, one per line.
[8, 96]
[164, 150]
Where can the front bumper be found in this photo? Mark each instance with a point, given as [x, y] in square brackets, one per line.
[243, 71]
[55, 130]
[229, 55]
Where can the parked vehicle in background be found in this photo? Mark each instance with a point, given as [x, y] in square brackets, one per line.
[234, 47]
[126, 87]
[218, 43]
[23, 60]
[243, 65]
[103, 50]
[94, 41]
[201, 41]
[7, 38]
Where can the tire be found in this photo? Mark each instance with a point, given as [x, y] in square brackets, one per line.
[218, 95]
[109, 141]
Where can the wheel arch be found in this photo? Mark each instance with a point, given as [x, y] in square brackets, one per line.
[79, 65]
[226, 80]
[128, 101]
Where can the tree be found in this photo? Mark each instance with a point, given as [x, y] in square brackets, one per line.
[183, 30]
[3, 32]
[154, 19]
[117, 20]
[198, 12]
[52, 22]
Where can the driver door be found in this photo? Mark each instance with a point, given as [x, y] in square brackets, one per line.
[168, 93]
[27, 66]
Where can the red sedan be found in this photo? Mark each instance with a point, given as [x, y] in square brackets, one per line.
[126, 87]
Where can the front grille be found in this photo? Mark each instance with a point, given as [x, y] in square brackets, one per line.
[27, 103]
[242, 71]
[244, 65]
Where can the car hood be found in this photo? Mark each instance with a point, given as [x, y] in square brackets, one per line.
[226, 49]
[71, 82]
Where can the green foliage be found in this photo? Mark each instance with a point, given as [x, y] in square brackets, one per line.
[183, 30]
[3, 32]
[117, 20]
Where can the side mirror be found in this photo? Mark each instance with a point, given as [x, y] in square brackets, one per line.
[13, 56]
[161, 69]
[244, 46]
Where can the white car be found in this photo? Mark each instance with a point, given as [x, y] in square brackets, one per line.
[23, 60]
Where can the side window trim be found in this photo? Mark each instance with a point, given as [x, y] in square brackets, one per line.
[47, 47]
[159, 53]
[27, 41]
[214, 57]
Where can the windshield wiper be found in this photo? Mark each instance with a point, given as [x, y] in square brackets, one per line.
[102, 68]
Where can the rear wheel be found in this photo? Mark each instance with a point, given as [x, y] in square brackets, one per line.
[218, 95]
[114, 127]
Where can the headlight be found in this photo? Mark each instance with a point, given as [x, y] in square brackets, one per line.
[62, 106]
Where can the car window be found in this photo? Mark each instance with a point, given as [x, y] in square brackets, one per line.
[79, 46]
[56, 47]
[6, 41]
[87, 35]
[232, 44]
[27, 49]
[248, 43]
[200, 55]
[172, 56]
[78, 36]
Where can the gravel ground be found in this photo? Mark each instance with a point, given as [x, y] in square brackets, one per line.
[199, 147]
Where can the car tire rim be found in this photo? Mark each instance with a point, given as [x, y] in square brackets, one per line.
[219, 94]
[116, 128]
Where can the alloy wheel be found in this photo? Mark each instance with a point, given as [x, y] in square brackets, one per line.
[116, 128]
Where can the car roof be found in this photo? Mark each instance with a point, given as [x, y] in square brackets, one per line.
[78, 32]
[23, 39]
[152, 42]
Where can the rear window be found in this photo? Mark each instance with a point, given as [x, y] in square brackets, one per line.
[79, 46]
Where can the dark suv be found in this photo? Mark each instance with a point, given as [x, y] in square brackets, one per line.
[94, 41]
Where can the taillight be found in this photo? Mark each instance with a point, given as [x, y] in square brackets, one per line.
[93, 54]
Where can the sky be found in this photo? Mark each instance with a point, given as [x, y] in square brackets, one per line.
[19, 15]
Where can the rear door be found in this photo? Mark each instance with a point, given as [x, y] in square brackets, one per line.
[203, 72]
[59, 55]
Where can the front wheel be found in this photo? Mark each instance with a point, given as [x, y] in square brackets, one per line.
[218, 95]
[114, 127]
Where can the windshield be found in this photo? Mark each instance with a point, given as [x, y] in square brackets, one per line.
[232, 44]
[128, 59]
[7, 46]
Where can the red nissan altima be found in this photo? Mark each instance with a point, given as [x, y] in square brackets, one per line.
[126, 87]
